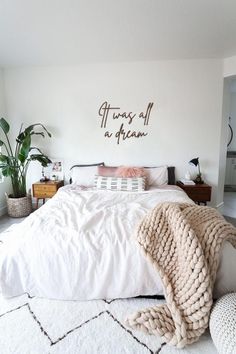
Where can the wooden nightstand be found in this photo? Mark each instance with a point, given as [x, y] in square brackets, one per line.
[43, 190]
[199, 193]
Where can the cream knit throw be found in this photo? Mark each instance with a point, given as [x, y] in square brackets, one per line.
[183, 241]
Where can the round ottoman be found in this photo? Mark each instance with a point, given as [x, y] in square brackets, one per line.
[223, 324]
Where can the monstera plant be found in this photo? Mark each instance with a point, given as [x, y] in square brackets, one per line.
[14, 162]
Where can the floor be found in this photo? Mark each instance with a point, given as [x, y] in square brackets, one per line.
[5, 222]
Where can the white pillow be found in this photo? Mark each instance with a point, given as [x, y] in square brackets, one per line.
[84, 175]
[157, 176]
[131, 184]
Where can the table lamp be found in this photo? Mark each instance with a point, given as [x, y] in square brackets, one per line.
[195, 162]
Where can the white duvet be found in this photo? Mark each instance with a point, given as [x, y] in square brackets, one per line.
[80, 245]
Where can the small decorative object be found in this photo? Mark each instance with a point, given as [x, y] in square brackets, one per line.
[44, 178]
[195, 162]
[231, 133]
[56, 170]
[187, 175]
[14, 164]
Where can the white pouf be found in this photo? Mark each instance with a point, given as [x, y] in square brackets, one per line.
[223, 324]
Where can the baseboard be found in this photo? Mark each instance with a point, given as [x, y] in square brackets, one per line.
[3, 210]
[220, 207]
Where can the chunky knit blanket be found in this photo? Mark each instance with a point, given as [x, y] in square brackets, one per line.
[183, 241]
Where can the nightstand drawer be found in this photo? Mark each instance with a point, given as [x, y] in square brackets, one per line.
[44, 188]
[44, 194]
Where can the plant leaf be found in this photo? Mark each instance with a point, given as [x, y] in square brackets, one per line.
[1, 143]
[4, 125]
[35, 148]
[38, 133]
[7, 171]
[30, 131]
[20, 137]
[25, 148]
[4, 158]
[31, 127]
[42, 159]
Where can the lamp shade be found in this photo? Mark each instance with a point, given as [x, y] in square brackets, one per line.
[194, 162]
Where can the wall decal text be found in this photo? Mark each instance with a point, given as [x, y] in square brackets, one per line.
[107, 112]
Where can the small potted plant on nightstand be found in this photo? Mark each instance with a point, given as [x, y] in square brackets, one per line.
[14, 164]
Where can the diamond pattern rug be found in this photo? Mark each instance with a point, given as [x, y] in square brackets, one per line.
[39, 326]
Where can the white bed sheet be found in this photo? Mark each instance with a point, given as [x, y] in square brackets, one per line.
[80, 245]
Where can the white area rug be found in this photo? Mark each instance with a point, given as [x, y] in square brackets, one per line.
[40, 326]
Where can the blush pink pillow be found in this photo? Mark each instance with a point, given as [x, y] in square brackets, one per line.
[128, 172]
[107, 171]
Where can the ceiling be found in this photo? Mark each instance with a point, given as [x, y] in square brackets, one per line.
[65, 32]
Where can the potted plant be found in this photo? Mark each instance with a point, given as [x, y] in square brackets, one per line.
[15, 163]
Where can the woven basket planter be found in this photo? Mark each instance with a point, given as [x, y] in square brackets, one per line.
[19, 207]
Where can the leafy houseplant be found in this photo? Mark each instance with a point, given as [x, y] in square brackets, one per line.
[15, 163]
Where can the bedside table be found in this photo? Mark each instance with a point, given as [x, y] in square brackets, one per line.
[199, 193]
[43, 190]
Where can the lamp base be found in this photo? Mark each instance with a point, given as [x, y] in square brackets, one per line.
[199, 180]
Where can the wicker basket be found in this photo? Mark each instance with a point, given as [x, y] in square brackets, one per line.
[19, 207]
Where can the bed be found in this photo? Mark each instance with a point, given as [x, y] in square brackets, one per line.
[80, 246]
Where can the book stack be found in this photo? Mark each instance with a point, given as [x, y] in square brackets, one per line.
[187, 182]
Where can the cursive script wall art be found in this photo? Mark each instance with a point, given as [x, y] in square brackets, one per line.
[107, 113]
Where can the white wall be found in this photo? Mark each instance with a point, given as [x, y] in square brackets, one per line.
[185, 121]
[5, 186]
